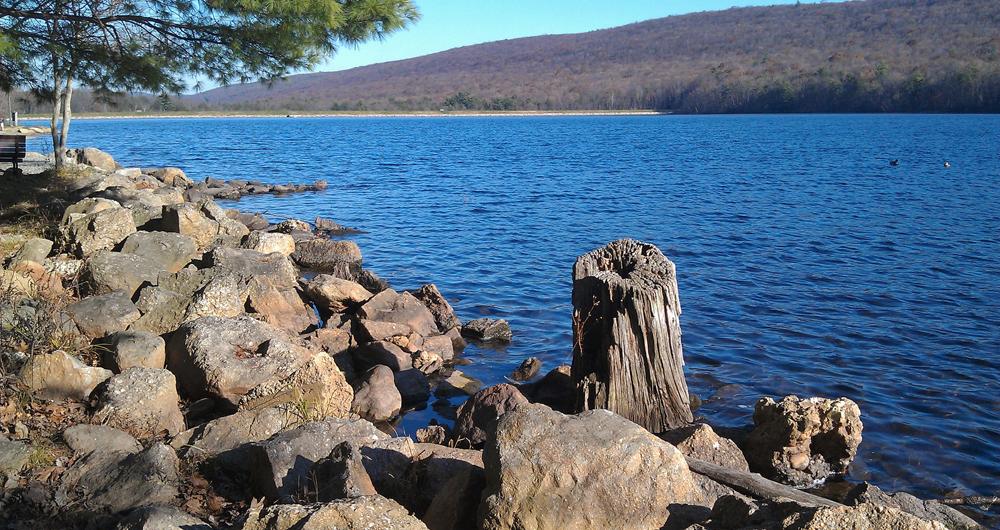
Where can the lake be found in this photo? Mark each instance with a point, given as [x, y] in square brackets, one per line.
[807, 264]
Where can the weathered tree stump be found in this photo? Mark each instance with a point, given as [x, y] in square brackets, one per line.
[627, 355]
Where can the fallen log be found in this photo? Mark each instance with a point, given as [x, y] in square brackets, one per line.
[627, 355]
[756, 486]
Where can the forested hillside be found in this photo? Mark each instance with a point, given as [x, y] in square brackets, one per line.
[863, 56]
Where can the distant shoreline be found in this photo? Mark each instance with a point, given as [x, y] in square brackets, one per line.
[420, 114]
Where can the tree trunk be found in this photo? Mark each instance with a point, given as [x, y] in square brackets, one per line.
[56, 113]
[756, 486]
[627, 354]
[67, 111]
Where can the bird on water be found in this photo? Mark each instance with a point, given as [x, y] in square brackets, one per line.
[894, 162]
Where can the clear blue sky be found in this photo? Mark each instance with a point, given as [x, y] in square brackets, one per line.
[449, 24]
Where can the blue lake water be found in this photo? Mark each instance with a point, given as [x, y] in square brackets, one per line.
[807, 265]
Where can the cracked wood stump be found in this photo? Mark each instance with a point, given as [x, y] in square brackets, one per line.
[627, 354]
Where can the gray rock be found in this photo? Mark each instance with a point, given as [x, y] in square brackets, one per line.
[100, 316]
[227, 357]
[413, 386]
[35, 249]
[14, 456]
[107, 272]
[488, 330]
[930, 510]
[375, 512]
[141, 401]
[278, 269]
[371, 281]
[339, 258]
[279, 467]
[435, 465]
[161, 518]
[390, 306]
[102, 230]
[83, 439]
[134, 348]
[341, 475]
[443, 313]
[376, 398]
[612, 472]
[58, 376]
[117, 481]
[228, 433]
[440, 345]
[479, 414]
[171, 252]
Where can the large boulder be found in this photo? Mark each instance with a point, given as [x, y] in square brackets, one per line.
[107, 272]
[228, 433]
[339, 258]
[93, 156]
[170, 251]
[479, 414]
[279, 467]
[226, 358]
[384, 353]
[699, 441]
[399, 308]
[281, 308]
[270, 242]
[801, 441]
[277, 269]
[134, 348]
[171, 176]
[376, 398]
[102, 230]
[116, 481]
[141, 401]
[443, 313]
[434, 467]
[593, 470]
[100, 316]
[334, 295]
[317, 390]
[360, 512]
[59, 376]
[190, 295]
[204, 222]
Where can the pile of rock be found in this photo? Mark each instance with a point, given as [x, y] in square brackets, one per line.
[226, 366]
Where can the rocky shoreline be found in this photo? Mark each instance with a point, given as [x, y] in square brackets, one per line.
[168, 363]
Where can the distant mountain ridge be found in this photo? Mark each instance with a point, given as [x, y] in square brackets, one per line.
[861, 56]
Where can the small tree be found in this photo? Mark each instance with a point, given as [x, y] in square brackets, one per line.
[153, 45]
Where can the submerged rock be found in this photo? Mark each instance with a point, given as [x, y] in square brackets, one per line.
[488, 330]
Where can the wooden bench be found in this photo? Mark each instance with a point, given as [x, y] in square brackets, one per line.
[12, 148]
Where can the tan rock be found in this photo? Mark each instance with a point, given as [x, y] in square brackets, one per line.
[593, 470]
[358, 513]
[59, 376]
[141, 401]
[335, 295]
[799, 441]
[269, 242]
[863, 517]
[701, 442]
